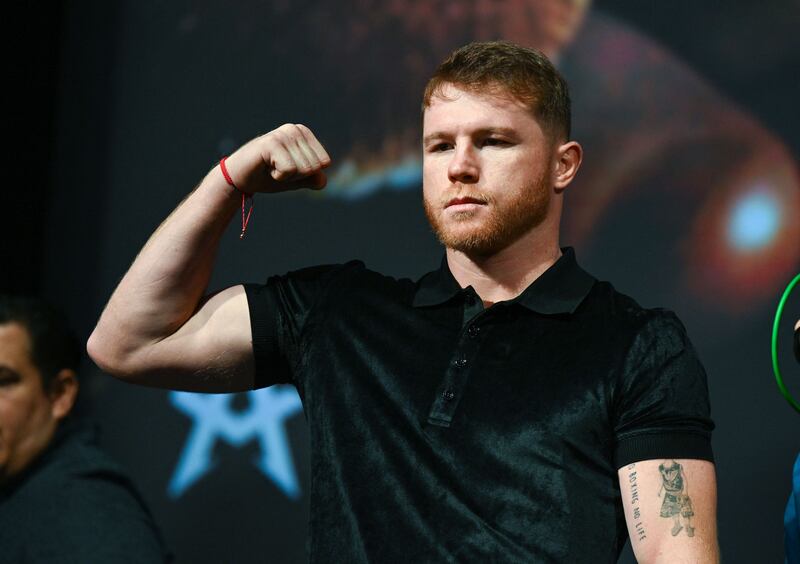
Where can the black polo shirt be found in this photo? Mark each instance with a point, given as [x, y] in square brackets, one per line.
[445, 432]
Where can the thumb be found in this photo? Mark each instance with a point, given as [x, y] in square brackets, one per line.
[316, 181]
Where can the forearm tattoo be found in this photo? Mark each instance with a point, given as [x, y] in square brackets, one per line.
[637, 513]
[676, 505]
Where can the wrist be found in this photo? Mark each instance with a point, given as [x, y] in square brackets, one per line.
[229, 179]
[244, 166]
[245, 196]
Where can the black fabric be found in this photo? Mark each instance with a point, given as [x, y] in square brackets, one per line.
[445, 432]
[75, 505]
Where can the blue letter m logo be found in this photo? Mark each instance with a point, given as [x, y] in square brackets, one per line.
[214, 419]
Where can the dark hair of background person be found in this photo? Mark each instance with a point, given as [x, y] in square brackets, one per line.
[523, 72]
[53, 346]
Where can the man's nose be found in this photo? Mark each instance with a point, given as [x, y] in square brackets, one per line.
[464, 166]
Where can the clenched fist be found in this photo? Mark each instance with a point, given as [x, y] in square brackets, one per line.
[287, 158]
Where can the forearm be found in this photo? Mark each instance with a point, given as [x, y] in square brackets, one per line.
[168, 278]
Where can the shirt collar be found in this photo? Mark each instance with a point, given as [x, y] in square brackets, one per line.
[560, 289]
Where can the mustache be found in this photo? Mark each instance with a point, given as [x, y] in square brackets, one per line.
[463, 196]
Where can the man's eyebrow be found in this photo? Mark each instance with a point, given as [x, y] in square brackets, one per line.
[508, 131]
[431, 136]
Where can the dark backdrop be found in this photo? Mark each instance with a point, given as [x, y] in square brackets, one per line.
[689, 199]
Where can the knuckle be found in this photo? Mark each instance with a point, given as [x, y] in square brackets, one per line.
[299, 133]
[292, 131]
[274, 138]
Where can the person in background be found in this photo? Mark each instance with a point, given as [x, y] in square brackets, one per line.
[62, 499]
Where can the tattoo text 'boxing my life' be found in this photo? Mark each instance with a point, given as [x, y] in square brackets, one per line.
[637, 514]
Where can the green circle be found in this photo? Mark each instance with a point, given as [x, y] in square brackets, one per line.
[793, 402]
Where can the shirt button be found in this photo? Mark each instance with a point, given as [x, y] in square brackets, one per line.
[447, 395]
[460, 362]
[473, 330]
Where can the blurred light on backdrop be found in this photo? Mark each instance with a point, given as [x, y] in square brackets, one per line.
[754, 221]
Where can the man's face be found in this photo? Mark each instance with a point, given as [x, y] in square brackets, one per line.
[26, 419]
[487, 170]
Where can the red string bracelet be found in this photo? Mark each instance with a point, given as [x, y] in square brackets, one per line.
[245, 196]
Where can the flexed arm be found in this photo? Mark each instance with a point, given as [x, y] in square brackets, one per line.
[158, 328]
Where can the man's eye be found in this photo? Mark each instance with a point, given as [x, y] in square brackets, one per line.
[8, 377]
[493, 141]
[441, 147]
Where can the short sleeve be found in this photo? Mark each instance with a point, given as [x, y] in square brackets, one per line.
[279, 310]
[661, 404]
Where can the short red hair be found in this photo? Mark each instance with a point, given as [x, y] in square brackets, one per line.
[502, 67]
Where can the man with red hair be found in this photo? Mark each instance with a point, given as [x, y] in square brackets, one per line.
[507, 407]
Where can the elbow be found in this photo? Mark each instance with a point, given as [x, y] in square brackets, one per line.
[108, 354]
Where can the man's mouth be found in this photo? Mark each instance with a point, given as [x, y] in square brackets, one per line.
[463, 201]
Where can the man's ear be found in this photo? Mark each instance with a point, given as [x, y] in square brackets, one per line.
[568, 157]
[63, 393]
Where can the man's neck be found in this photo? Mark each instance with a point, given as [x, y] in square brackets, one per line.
[504, 275]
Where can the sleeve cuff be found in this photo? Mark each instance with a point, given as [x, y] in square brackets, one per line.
[266, 349]
[649, 446]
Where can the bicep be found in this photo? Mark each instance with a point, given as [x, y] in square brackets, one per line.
[211, 352]
[671, 510]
